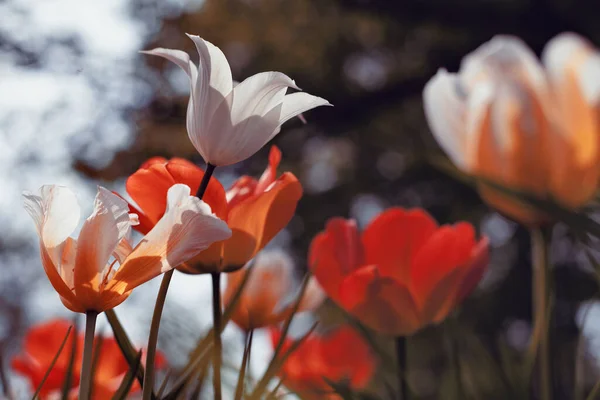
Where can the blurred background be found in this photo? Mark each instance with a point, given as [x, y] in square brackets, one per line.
[80, 107]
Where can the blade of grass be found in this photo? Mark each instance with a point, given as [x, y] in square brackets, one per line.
[277, 362]
[128, 379]
[68, 382]
[164, 383]
[239, 391]
[60, 349]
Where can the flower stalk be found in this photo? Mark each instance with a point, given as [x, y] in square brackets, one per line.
[540, 240]
[88, 348]
[148, 386]
[402, 358]
[217, 349]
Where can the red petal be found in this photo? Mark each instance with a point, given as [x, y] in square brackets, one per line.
[335, 253]
[381, 303]
[394, 237]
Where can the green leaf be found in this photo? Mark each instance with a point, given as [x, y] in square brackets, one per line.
[62, 345]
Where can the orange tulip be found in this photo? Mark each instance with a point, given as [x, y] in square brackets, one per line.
[530, 126]
[41, 345]
[339, 356]
[270, 284]
[254, 210]
[80, 271]
[403, 273]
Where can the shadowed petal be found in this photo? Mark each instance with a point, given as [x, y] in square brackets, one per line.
[381, 303]
[262, 217]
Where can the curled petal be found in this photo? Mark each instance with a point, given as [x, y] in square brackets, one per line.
[178, 57]
[296, 103]
[55, 212]
[270, 174]
[187, 228]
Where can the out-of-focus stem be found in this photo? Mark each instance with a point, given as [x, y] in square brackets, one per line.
[540, 240]
[402, 370]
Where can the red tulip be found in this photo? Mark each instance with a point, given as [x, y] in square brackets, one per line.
[255, 210]
[341, 355]
[403, 273]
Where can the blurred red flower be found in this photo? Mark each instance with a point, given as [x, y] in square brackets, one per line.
[338, 356]
[404, 272]
[41, 345]
[255, 210]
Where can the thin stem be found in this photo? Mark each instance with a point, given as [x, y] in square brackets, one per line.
[401, 357]
[205, 179]
[6, 389]
[239, 391]
[88, 348]
[153, 337]
[540, 240]
[216, 288]
[148, 385]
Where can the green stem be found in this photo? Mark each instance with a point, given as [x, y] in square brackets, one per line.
[401, 357]
[153, 338]
[85, 385]
[148, 385]
[540, 240]
[216, 288]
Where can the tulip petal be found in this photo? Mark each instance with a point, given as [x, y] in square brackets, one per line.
[187, 228]
[445, 110]
[335, 253]
[181, 58]
[381, 303]
[254, 96]
[574, 71]
[98, 239]
[393, 238]
[262, 217]
[450, 248]
[270, 174]
[55, 212]
[476, 267]
[213, 61]
[299, 102]
[148, 187]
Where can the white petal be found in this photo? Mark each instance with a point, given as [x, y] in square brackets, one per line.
[297, 103]
[569, 53]
[503, 57]
[181, 58]
[187, 228]
[256, 94]
[213, 59]
[101, 233]
[242, 141]
[55, 212]
[446, 113]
